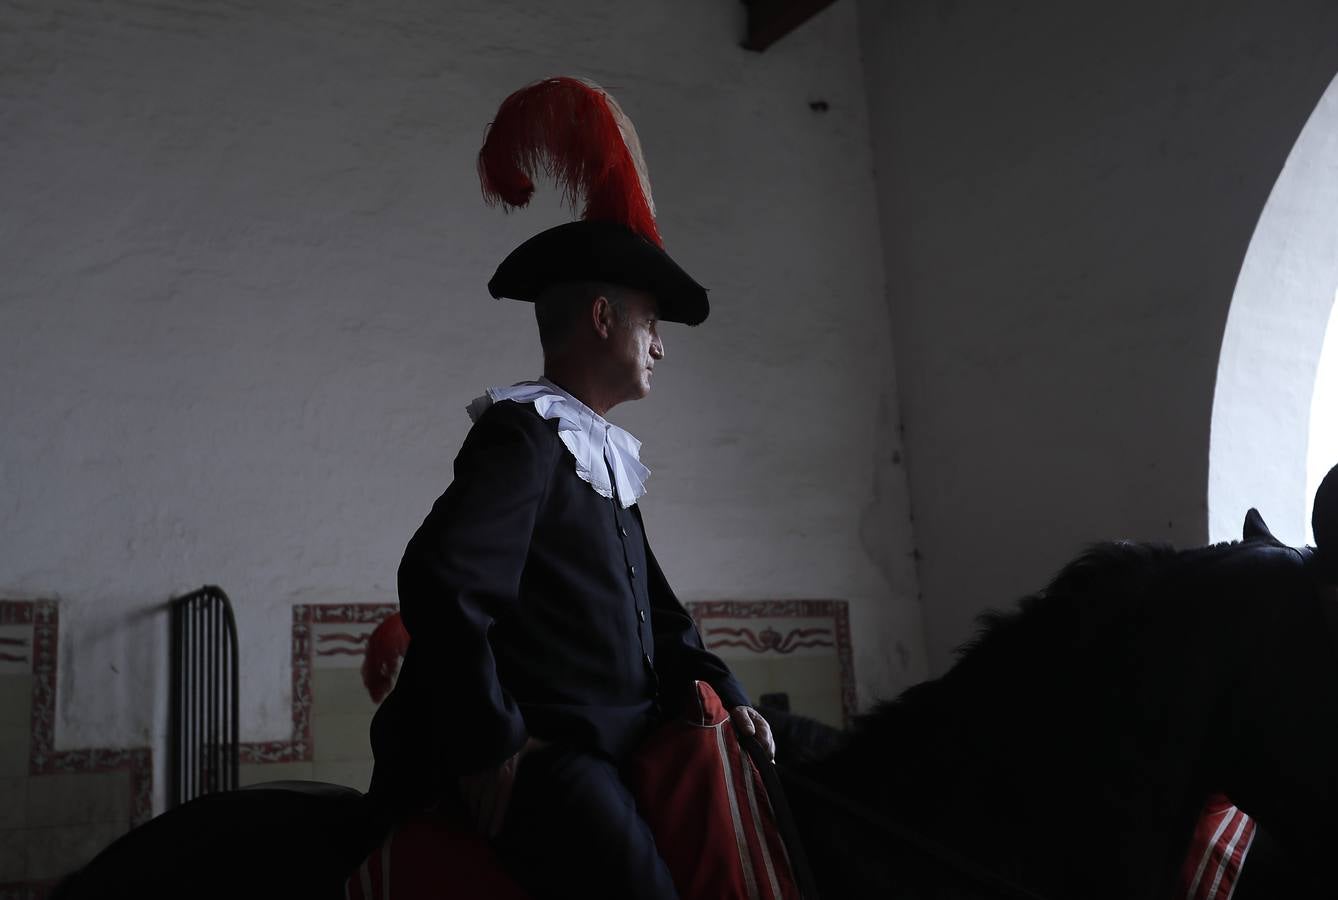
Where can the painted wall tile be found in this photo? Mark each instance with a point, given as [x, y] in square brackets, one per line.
[355, 773]
[14, 745]
[13, 856]
[16, 692]
[341, 736]
[16, 649]
[801, 648]
[57, 851]
[78, 799]
[259, 773]
[340, 690]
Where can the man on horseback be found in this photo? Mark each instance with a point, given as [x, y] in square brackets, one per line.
[546, 641]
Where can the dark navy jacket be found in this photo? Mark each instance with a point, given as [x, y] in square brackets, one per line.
[535, 608]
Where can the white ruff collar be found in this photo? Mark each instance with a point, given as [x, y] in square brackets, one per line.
[595, 444]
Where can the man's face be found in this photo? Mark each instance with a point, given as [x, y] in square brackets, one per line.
[634, 345]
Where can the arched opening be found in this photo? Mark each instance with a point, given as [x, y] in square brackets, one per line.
[1322, 453]
[1275, 409]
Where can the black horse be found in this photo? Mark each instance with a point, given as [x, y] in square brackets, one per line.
[1067, 754]
[1071, 749]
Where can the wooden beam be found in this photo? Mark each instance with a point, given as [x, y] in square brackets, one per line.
[771, 20]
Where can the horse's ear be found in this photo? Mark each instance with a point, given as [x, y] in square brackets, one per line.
[1255, 529]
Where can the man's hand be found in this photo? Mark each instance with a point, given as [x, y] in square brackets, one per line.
[750, 721]
[487, 793]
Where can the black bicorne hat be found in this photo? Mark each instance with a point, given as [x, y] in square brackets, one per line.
[577, 133]
[600, 252]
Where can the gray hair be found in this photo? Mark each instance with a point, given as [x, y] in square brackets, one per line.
[561, 306]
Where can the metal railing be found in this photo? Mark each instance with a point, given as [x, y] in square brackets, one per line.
[203, 720]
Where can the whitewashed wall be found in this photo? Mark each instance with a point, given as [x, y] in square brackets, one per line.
[242, 308]
[1067, 191]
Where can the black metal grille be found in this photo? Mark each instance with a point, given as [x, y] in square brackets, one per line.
[203, 727]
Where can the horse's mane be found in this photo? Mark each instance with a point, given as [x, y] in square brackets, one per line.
[1087, 600]
[1087, 715]
[1103, 572]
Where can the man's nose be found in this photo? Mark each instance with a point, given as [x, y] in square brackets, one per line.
[657, 347]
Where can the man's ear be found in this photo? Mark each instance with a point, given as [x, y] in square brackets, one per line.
[601, 315]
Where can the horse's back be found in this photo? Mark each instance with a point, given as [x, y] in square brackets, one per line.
[279, 839]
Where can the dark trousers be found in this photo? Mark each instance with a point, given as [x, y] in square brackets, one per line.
[572, 829]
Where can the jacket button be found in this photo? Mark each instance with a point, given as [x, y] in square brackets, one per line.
[642, 614]
[622, 531]
[633, 571]
[646, 658]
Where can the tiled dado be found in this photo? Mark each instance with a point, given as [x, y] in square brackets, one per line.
[58, 808]
[798, 647]
[332, 712]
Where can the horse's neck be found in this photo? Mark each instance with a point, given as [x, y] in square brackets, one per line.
[1280, 748]
[1019, 783]
[1081, 730]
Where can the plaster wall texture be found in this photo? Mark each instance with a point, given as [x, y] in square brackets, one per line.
[1067, 192]
[243, 309]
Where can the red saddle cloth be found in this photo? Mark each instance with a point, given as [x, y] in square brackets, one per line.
[1221, 840]
[701, 795]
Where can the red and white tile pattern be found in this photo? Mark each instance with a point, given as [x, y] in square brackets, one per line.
[323, 635]
[29, 632]
[759, 630]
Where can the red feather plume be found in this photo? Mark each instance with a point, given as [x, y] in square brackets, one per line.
[577, 134]
[385, 648]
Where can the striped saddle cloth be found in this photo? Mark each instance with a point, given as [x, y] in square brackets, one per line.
[701, 794]
[1221, 840]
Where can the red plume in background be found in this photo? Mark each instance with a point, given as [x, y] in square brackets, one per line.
[577, 134]
[385, 648]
